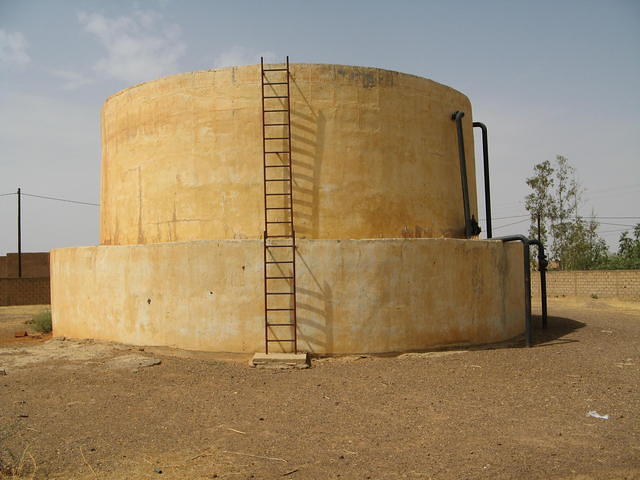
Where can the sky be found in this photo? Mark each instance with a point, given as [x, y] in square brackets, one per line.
[547, 78]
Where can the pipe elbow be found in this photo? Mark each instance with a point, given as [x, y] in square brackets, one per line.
[480, 125]
[457, 115]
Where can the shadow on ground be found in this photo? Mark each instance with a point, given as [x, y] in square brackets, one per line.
[558, 328]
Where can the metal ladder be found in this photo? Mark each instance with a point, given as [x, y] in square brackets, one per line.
[280, 322]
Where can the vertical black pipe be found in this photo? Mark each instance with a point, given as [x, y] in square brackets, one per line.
[487, 188]
[19, 235]
[468, 231]
[542, 266]
[543, 292]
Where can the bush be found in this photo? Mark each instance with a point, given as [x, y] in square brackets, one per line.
[42, 322]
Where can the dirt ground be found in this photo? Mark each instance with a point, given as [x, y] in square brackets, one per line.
[93, 410]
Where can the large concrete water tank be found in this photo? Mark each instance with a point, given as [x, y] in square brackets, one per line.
[383, 264]
[374, 152]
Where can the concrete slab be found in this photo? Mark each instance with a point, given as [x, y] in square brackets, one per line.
[280, 360]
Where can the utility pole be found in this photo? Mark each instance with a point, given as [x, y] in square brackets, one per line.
[19, 235]
[539, 234]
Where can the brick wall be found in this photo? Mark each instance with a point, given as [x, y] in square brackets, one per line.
[34, 264]
[25, 291]
[623, 284]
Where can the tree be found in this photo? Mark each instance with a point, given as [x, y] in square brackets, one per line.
[584, 249]
[566, 199]
[539, 203]
[629, 249]
[553, 204]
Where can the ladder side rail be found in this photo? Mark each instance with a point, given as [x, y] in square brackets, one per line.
[293, 232]
[264, 191]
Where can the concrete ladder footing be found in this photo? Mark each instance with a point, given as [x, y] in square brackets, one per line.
[280, 360]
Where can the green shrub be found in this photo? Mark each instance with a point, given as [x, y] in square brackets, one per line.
[42, 322]
[594, 296]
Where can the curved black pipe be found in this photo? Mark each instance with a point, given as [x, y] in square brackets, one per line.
[542, 261]
[487, 189]
[468, 229]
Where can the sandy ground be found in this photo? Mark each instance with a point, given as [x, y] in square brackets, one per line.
[92, 410]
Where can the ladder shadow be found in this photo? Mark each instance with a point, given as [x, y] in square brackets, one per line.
[307, 128]
[314, 311]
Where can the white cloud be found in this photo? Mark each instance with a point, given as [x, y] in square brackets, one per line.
[238, 55]
[139, 47]
[72, 80]
[13, 48]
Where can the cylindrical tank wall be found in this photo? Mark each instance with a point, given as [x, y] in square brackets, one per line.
[374, 156]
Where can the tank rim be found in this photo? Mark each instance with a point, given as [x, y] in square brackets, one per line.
[166, 77]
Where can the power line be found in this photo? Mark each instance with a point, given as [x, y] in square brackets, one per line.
[5, 194]
[503, 218]
[613, 231]
[581, 216]
[509, 224]
[60, 199]
[616, 224]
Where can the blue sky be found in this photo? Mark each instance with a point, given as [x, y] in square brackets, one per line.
[547, 77]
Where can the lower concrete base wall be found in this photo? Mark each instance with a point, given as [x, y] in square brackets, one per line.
[354, 296]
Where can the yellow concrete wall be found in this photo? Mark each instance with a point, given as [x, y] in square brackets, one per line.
[353, 296]
[374, 152]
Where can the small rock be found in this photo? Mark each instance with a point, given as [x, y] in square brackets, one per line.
[21, 333]
[132, 361]
[157, 470]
